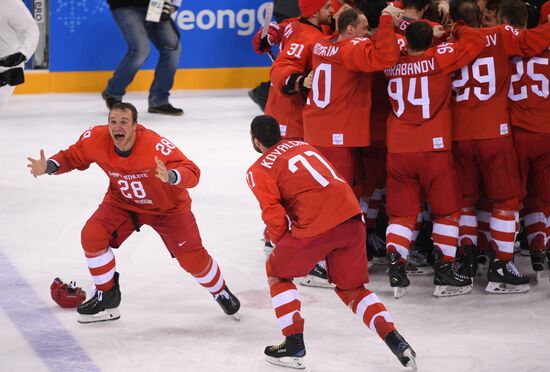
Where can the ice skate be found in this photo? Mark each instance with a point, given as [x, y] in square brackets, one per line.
[376, 248]
[417, 264]
[317, 277]
[290, 353]
[397, 275]
[103, 306]
[468, 262]
[504, 278]
[448, 282]
[402, 350]
[538, 260]
[268, 248]
[229, 303]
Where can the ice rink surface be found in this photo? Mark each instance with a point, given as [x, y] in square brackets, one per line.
[168, 322]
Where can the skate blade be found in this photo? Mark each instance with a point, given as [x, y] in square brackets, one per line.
[379, 260]
[313, 281]
[420, 271]
[450, 290]
[236, 317]
[503, 288]
[103, 316]
[399, 292]
[370, 264]
[412, 362]
[543, 275]
[289, 362]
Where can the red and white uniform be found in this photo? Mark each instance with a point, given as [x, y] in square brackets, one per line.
[419, 140]
[294, 57]
[293, 179]
[135, 197]
[530, 118]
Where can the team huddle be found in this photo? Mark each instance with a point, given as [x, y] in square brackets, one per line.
[367, 101]
[448, 122]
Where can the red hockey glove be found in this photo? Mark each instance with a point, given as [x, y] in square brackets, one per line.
[274, 36]
[67, 295]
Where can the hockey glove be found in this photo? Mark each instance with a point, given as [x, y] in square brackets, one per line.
[12, 60]
[295, 84]
[274, 36]
[13, 76]
[67, 295]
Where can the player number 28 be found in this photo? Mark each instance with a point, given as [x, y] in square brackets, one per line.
[132, 189]
[165, 146]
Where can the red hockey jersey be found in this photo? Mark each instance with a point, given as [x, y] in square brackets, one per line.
[293, 179]
[132, 181]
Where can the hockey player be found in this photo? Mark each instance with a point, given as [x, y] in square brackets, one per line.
[483, 148]
[148, 181]
[529, 112]
[292, 178]
[419, 156]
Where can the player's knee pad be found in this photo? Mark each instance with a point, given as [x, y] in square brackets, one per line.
[195, 262]
[94, 237]
[510, 204]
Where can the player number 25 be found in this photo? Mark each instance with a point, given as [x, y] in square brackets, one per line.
[541, 91]
[165, 146]
[292, 166]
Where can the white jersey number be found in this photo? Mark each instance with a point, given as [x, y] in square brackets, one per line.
[292, 166]
[395, 91]
[483, 71]
[327, 69]
[540, 89]
[132, 189]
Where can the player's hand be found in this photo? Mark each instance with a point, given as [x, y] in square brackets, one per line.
[38, 166]
[308, 81]
[274, 36]
[438, 31]
[396, 14]
[162, 172]
[444, 10]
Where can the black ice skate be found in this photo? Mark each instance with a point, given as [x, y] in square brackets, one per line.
[290, 353]
[448, 282]
[228, 302]
[417, 264]
[538, 260]
[317, 277]
[376, 248]
[504, 277]
[468, 261]
[401, 348]
[396, 273]
[103, 305]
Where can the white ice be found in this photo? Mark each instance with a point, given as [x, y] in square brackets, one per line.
[168, 322]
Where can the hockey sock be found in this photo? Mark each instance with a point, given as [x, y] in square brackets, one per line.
[535, 226]
[102, 269]
[399, 234]
[287, 305]
[416, 230]
[483, 229]
[373, 208]
[503, 233]
[445, 236]
[467, 227]
[204, 269]
[367, 306]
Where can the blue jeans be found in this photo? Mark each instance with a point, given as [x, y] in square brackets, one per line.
[137, 33]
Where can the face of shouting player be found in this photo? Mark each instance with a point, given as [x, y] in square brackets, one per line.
[324, 16]
[122, 129]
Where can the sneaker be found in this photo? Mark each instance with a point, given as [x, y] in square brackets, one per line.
[166, 109]
[103, 305]
[290, 353]
[109, 100]
[229, 303]
[504, 277]
[401, 348]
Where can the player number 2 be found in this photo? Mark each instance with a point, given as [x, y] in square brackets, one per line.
[134, 188]
[327, 69]
[395, 91]
[307, 165]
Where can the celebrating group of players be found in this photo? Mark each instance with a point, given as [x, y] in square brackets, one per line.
[449, 120]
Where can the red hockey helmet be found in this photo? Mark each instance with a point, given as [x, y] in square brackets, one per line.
[67, 295]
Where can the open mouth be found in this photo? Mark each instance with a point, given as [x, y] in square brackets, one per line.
[119, 137]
